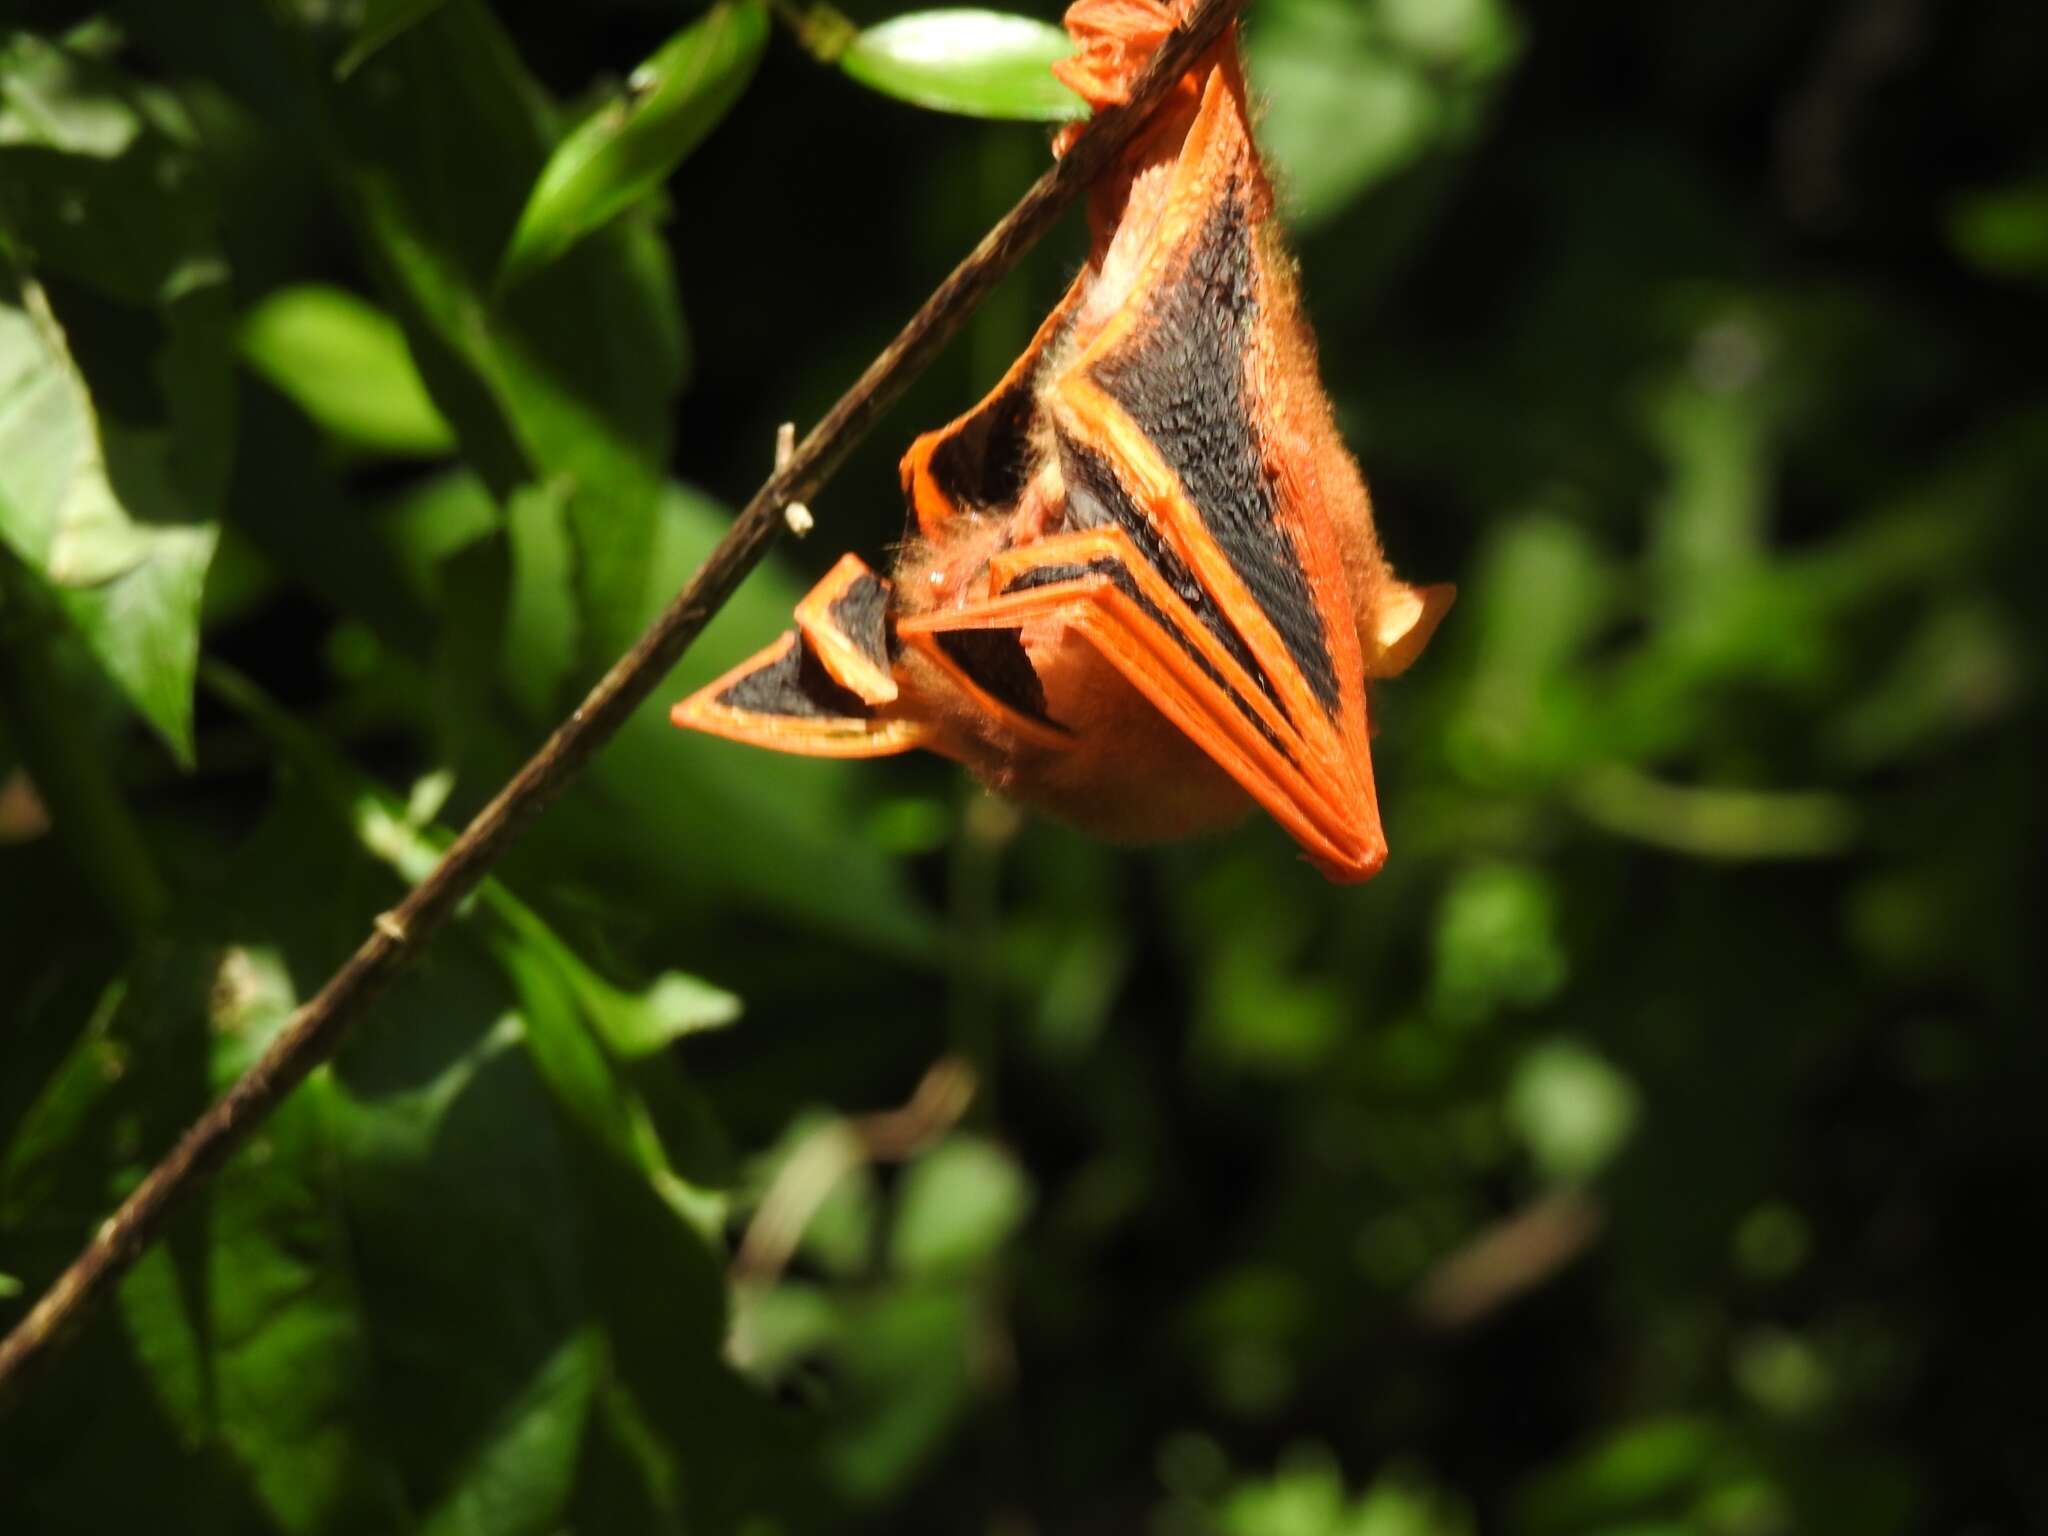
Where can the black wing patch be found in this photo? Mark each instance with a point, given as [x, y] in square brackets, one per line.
[996, 661]
[796, 686]
[986, 462]
[860, 614]
[1095, 497]
[1182, 381]
[1051, 575]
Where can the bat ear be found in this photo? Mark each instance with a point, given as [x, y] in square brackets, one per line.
[1407, 617]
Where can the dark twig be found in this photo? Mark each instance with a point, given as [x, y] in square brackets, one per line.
[397, 936]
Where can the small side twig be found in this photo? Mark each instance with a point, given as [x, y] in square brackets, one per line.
[316, 1029]
[1513, 1256]
[835, 1149]
[796, 516]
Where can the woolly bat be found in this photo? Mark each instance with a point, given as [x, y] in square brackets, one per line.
[1142, 589]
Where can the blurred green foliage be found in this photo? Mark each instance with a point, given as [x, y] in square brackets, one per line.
[1650, 1148]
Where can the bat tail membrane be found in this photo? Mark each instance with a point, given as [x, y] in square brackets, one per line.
[821, 689]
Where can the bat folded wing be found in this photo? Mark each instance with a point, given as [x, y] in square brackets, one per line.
[820, 690]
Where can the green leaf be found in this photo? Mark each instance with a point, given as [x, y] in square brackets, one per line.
[960, 1203]
[274, 1358]
[2004, 232]
[63, 1111]
[526, 1465]
[407, 1209]
[383, 21]
[905, 1360]
[1496, 943]
[601, 1100]
[245, 1325]
[114, 450]
[580, 1027]
[346, 363]
[436, 143]
[629, 146]
[1573, 1108]
[630, 1024]
[137, 226]
[1358, 90]
[1306, 1497]
[49, 96]
[130, 585]
[977, 63]
[541, 621]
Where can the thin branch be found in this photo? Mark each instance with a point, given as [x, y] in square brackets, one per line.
[316, 1029]
[837, 1148]
[1514, 1255]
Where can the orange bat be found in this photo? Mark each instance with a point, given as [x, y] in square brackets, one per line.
[1142, 589]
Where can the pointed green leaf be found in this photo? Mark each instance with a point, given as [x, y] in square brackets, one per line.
[130, 586]
[630, 1024]
[977, 63]
[435, 146]
[629, 146]
[346, 363]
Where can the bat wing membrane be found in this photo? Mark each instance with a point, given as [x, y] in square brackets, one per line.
[817, 690]
[1155, 423]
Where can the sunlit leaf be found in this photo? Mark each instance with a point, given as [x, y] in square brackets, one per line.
[1572, 1107]
[1306, 1496]
[607, 1107]
[960, 1203]
[436, 145]
[1359, 90]
[49, 96]
[978, 63]
[131, 587]
[347, 365]
[631, 145]
[630, 1024]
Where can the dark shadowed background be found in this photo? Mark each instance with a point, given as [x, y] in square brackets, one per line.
[1653, 1147]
